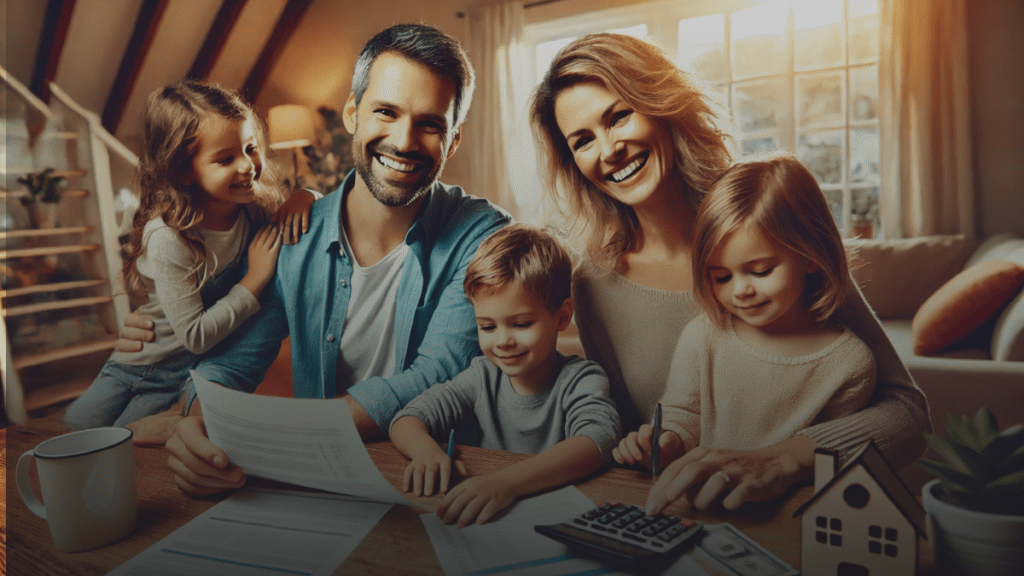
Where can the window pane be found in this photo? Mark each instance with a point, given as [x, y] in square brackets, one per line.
[822, 153]
[757, 104]
[759, 41]
[755, 145]
[819, 99]
[864, 93]
[864, 154]
[863, 31]
[818, 25]
[864, 213]
[702, 47]
[835, 203]
[545, 53]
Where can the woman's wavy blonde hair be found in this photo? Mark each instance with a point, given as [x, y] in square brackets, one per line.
[778, 196]
[174, 119]
[649, 83]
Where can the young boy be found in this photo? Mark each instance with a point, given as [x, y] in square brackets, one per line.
[526, 396]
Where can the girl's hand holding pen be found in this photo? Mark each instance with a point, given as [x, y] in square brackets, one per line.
[636, 447]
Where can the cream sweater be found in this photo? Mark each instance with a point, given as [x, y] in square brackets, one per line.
[722, 393]
[632, 332]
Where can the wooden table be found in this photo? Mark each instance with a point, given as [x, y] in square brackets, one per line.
[162, 509]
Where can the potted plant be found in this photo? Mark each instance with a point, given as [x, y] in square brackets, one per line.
[330, 158]
[976, 504]
[43, 197]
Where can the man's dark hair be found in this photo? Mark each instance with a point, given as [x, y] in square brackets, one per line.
[428, 46]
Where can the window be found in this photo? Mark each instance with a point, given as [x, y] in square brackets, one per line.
[799, 75]
[875, 544]
[830, 531]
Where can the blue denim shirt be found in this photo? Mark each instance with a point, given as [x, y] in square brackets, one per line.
[435, 327]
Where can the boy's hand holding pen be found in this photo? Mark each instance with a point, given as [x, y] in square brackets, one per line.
[431, 467]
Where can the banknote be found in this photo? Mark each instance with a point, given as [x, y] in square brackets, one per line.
[731, 552]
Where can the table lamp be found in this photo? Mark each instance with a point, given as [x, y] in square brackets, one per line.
[291, 126]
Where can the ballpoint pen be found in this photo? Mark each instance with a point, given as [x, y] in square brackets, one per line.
[451, 447]
[654, 440]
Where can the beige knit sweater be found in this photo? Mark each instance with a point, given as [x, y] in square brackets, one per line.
[723, 393]
[632, 332]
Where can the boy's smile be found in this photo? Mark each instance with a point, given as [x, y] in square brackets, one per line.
[518, 334]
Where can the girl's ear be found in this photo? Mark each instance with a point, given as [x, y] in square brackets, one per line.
[564, 314]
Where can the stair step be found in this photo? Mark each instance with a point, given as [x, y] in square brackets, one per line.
[63, 353]
[54, 287]
[47, 251]
[36, 232]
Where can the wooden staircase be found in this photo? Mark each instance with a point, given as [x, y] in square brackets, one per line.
[62, 300]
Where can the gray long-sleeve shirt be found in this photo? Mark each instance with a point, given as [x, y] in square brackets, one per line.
[576, 405]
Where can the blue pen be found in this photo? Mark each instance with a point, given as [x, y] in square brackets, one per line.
[451, 443]
[657, 435]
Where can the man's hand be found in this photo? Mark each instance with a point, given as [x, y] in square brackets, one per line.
[200, 468]
[138, 328]
[157, 429]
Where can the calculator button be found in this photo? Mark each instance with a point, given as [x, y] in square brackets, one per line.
[581, 522]
[621, 522]
[598, 527]
[593, 514]
[656, 543]
[610, 531]
[633, 537]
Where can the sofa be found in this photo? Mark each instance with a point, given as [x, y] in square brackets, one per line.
[985, 367]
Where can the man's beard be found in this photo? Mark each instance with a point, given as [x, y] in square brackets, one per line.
[389, 192]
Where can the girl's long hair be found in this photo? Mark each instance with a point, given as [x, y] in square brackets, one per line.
[174, 119]
[651, 84]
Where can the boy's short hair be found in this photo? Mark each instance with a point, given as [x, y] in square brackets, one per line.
[527, 256]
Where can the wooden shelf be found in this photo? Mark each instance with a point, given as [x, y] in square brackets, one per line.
[55, 305]
[63, 353]
[47, 250]
[37, 232]
[56, 393]
[55, 287]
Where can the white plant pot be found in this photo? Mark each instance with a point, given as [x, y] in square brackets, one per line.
[969, 543]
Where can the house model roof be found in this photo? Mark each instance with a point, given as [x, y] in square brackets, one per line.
[870, 458]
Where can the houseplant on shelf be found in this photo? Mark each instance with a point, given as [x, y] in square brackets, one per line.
[43, 197]
[330, 158]
[976, 504]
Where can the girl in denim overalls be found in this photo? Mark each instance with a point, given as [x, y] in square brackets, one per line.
[205, 198]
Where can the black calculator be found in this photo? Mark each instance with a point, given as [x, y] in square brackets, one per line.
[623, 534]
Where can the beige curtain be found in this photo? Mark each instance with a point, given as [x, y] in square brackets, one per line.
[925, 118]
[494, 137]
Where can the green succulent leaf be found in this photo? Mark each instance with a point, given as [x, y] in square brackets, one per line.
[950, 453]
[1009, 480]
[960, 481]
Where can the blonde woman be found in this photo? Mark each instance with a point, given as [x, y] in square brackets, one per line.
[631, 145]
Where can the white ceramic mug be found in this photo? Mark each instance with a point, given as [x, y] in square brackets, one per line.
[88, 484]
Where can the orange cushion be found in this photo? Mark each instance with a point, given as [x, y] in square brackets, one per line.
[964, 303]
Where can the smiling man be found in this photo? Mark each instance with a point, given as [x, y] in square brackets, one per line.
[372, 294]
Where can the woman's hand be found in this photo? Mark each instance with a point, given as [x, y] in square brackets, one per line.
[636, 447]
[703, 475]
[292, 218]
[263, 251]
[137, 329]
[477, 499]
[428, 468]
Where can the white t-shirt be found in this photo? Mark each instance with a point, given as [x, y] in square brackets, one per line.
[368, 339]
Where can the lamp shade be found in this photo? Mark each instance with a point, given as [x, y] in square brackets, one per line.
[291, 126]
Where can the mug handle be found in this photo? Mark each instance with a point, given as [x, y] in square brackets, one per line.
[25, 486]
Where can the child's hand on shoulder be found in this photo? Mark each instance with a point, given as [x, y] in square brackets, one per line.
[263, 251]
[636, 447]
[292, 218]
[477, 499]
[427, 469]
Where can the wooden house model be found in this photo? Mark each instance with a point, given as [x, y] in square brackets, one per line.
[862, 519]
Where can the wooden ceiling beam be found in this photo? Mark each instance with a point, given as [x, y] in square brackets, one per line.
[283, 30]
[216, 38]
[146, 25]
[51, 44]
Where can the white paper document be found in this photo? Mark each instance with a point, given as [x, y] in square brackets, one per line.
[306, 442]
[510, 546]
[260, 532]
